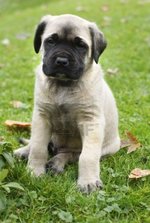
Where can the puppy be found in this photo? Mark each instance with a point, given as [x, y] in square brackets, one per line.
[73, 106]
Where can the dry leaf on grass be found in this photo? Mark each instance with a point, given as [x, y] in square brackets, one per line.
[138, 173]
[134, 143]
[131, 143]
[124, 144]
[133, 147]
[16, 124]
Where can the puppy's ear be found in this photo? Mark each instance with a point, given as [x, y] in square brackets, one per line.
[39, 32]
[98, 42]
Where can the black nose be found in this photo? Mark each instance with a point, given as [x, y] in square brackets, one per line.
[62, 61]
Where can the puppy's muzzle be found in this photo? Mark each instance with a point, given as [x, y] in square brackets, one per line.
[62, 64]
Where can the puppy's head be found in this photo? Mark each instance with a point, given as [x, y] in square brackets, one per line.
[69, 45]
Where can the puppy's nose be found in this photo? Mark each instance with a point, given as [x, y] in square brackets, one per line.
[62, 61]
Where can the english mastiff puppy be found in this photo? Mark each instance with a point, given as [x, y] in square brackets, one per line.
[74, 108]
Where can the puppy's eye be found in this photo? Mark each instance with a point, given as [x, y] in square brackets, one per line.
[80, 43]
[51, 41]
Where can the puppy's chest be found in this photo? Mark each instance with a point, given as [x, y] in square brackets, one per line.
[62, 118]
[63, 108]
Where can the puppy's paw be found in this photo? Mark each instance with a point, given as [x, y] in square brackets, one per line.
[89, 185]
[55, 166]
[36, 170]
[22, 153]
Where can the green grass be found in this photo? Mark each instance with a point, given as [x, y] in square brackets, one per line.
[55, 198]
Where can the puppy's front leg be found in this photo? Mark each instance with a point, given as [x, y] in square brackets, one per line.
[92, 134]
[40, 137]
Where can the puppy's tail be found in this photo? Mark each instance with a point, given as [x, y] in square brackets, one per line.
[51, 149]
[23, 141]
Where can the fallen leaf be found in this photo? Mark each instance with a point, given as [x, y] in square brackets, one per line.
[16, 124]
[18, 104]
[131, 137]
[112, 71]
[134, 143]
[105, 8]
[124, 144]
[138, 173]
[133, 147]
[5, 42]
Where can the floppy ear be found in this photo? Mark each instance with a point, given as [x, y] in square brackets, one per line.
[98, 42]
[39, 32]
[38, 36]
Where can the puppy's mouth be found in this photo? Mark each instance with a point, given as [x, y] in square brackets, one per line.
[60, 77]
[62, 73]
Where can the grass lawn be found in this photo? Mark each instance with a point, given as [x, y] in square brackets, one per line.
[55, 198]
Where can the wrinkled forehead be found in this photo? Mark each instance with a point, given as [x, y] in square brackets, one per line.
[68, 29]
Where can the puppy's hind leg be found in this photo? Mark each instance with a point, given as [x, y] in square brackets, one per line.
[22, 152]
[57, 163]
[112, 147]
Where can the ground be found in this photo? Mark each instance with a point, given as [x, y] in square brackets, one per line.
[55, 198]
